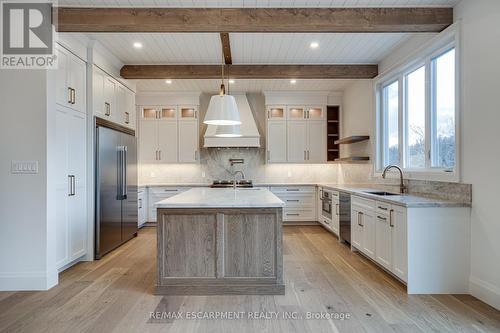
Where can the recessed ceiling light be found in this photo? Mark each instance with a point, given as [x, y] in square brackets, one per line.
[314, 45]
[138, 45]
[168, 81]
[293, 81]
[231, 81]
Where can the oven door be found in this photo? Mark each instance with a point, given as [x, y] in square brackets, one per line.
[326, 209]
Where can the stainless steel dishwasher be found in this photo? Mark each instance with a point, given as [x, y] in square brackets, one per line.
[345, 217]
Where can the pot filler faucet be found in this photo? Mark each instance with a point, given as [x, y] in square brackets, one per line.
[402, 187]
[234, 175]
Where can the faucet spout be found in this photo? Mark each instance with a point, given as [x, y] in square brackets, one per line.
[234, 175]
[402, 187]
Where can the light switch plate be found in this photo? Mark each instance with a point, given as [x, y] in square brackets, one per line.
[24, 167]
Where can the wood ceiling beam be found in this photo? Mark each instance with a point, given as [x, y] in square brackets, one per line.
[73, 19]
[226, 48]
[250, 71]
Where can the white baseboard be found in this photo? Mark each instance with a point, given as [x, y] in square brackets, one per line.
[485, 291]
[17, 281]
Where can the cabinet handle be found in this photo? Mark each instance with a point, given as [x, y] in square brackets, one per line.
[382, 218]
[305, 158]
[156, 157]
[73, 96]
[290, 200]
[107, 108]
[292, 214]
[321, 194]
[195, 114]
[157, 114]
[140, 203]
[360, 219]
[383, 208]
[391, 222]
[127, 118]
[337, 211]
[159, 155]
[69, 95]
[72, 187]
[292, 189]
[308, 155]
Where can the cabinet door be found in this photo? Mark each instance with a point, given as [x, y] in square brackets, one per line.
[296, 112]
[76, 81]
[188, 113]
[368, 243]
[276, 141]
[98, 92]
[62, 185]
[77, 203]
[63, 63]
[130, 109]
[276, 112]
[316, 145]
[399, 243]
[356, 228]
[121, 107]
[297, 141]
[148, 141]
[383, 241]
[110, 98]
[142, 208]
[188, 141]
[167, 141]
[335, 215]
[315, 112]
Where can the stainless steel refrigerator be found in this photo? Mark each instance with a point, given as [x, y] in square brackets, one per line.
[116, 189]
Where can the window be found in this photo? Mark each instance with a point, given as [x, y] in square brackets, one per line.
[391, 119]
[417, 115]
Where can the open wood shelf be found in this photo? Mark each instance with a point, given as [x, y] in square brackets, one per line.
[332, 133]
[352, 139]
[353, 159]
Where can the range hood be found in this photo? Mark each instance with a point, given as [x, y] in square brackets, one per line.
[250, 136]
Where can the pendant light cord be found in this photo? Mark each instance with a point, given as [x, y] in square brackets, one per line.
[222, 87]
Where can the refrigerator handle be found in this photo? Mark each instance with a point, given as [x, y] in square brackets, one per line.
[124, 172]
[119, 175]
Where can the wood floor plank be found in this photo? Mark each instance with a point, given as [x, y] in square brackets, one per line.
[115, 294]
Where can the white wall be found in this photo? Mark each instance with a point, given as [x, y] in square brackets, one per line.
[358, 117]
[24, 246]
[480, 154]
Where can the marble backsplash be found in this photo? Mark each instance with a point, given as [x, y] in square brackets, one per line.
[214, 164]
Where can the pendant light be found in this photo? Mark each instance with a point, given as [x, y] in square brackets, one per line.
[222, 109]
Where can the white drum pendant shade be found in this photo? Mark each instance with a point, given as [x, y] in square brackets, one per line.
[222, 111]
[232, 131]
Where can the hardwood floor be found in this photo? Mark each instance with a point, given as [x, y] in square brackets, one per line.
[115, 294]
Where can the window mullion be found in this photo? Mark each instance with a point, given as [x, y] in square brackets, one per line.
[401, 121]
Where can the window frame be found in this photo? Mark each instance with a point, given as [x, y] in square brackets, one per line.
[440, 45]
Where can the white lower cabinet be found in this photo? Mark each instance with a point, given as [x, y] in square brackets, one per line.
[158, 193]
[300, 202]
[399, 241]
[332, 224]
[71, 184]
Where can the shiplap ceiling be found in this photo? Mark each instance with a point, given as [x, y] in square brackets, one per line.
[250, 48]
[258, 3]
[212, 86]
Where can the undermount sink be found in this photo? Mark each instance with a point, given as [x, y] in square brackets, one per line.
[381, 193]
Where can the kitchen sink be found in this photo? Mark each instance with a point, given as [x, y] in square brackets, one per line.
[382, 193]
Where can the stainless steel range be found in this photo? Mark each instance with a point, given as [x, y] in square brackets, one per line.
[230, 183]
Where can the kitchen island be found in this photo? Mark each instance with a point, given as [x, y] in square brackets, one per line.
[220, 241]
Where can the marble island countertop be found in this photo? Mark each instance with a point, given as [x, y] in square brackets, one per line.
[405, 200]
[202, 197]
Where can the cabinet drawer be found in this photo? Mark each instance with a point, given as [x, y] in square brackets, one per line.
[291, 214]
[168, 190]
[363, 203]
[293, 189]
[383, 208]
[297, 200]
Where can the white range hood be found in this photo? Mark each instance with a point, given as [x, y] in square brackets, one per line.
[250, 136]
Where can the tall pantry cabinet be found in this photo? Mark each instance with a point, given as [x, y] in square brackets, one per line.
[71, 158]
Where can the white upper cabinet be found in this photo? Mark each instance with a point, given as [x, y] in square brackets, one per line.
[70, 80]
[296, 134]
[169, 134]
[276, 141]
[112, 100]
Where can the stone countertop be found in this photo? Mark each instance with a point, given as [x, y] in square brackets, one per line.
[222, 198]
[405, 200]
[177, 185]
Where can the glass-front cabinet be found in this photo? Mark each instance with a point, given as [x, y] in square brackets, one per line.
[296, 113]
[276, 112]
[188, 112]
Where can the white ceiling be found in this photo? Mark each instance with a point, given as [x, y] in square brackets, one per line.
[258, 3]
[212, 85]
[251, 48]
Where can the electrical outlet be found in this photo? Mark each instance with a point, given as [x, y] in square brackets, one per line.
[203, 174]
[24, 167]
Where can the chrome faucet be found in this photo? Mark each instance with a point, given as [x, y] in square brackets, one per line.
[234, 175]
[402, 187]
